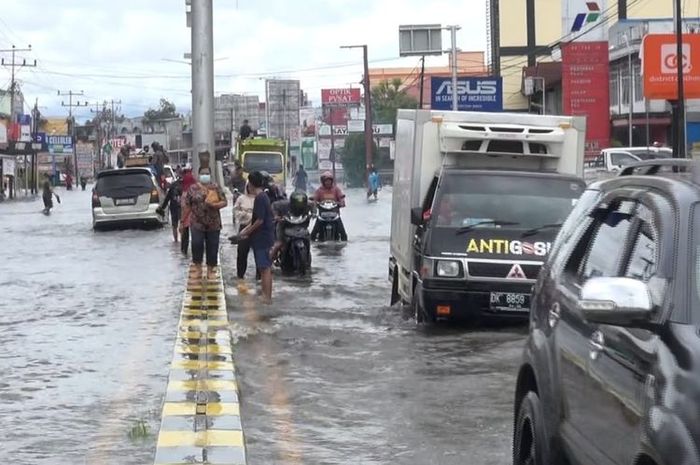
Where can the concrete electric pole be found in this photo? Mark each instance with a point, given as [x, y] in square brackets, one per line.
[13, 64]
[369, 128]
[203, 87]
[70, 106]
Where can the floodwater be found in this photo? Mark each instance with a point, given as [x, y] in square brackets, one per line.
[87, 326]
[330, 374]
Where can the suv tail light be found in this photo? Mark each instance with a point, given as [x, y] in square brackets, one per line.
[95, 200]
[154, 196]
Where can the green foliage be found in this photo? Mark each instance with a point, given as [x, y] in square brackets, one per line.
[354, 159]
[139, 431]
[387, 98]
[166, 109]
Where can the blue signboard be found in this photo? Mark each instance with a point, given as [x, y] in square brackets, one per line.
[473, 93]
[59, 144]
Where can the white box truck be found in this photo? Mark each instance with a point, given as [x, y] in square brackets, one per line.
[477, 200]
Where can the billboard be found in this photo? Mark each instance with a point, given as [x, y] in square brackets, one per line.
[86, 158]
[586, 90]
[660, 66]
[307, 116]
[473, 93]
[347, 96]
[59, 144]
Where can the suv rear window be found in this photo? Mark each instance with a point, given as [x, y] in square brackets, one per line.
[124, 184]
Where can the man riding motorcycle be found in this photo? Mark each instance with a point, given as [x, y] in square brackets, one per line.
[329, 191]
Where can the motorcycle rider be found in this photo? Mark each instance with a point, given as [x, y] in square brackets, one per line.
[298, 205]
[83, 182]
[274, 191]
[374, 183]
[328, 190]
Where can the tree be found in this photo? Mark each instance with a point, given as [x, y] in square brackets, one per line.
[354, 159]
[166, 109]
[387, 98]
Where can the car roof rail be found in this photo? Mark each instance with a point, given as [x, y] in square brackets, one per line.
[652, 167]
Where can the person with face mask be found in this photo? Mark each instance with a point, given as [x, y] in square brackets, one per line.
[202, 206]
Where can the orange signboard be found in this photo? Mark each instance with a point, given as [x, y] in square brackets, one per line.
[660, 66]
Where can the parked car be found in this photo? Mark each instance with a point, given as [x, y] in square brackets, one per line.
[610, 368]
[127, 196]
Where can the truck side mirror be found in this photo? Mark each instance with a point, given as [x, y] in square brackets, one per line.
[417, 216]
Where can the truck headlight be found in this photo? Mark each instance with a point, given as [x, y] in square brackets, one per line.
[448, 268]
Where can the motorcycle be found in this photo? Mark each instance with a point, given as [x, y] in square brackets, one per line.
[328, 217]
[295, 256]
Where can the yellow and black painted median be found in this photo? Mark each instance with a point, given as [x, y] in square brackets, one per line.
[201, 414]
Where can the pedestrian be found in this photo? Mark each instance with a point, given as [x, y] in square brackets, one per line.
[262, 233]
[203, 203]
[47, 194]
[238, 181]
[122, 156]
[373, 183]
[301, 180]
[172, 198]
[243, 214]
[245, 131]
[187, 182]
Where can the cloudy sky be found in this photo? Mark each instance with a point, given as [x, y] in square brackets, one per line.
[119, 49]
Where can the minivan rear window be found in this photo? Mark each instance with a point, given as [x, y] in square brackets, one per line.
[126, 184]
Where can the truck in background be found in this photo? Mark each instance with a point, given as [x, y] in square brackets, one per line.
[261, 154]
[612, 160]
[477, 201]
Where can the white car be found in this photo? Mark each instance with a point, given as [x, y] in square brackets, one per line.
[169, 174]
[127, 196]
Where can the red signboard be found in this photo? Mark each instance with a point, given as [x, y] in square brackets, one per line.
[586, 90]
[341, 96]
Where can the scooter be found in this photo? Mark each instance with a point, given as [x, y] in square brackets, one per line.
[295, 256]
[328, 218]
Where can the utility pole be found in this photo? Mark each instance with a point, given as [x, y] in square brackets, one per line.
[203, 86]
[680, 151]
[70, 106]
[453, 50]
[113, 120]
[422, 80]
[13, 65]
[368, 110]
[99, 115]
[630, 91]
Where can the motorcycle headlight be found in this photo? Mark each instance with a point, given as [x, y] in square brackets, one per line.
[448, 268]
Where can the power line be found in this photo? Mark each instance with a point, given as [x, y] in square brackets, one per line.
[70, 94]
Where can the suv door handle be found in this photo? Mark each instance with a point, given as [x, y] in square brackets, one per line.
[597, 344]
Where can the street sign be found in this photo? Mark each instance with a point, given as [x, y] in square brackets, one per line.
[473, 94]
[420, 40]
[356, 125]
[660, 66]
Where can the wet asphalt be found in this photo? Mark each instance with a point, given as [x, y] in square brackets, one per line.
[329, 374]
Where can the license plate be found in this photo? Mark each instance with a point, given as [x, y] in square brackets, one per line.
[510, 301]
[130, 201]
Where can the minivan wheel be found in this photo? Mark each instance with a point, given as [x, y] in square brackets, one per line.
[530, 445]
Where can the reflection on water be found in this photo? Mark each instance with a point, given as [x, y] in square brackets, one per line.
[86, 334]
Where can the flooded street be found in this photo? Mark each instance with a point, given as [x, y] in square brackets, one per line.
[87, 328]
[330, 374]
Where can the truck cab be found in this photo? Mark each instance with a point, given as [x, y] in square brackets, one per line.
[486, 196]
[261, 154]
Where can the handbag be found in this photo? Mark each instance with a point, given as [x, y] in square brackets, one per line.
[212, 197]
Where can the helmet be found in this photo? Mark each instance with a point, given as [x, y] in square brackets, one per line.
[267, 177]
[298, 203]
[326, 175]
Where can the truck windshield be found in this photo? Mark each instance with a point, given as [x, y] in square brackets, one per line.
[263, 161]
[486, 201]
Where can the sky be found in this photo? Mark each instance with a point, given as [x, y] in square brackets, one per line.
[118, 50]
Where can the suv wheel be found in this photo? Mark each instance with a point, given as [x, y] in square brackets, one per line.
[530, 445]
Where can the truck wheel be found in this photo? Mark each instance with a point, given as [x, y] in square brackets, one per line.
[395, 286]
[418, 313]
[530, 446]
